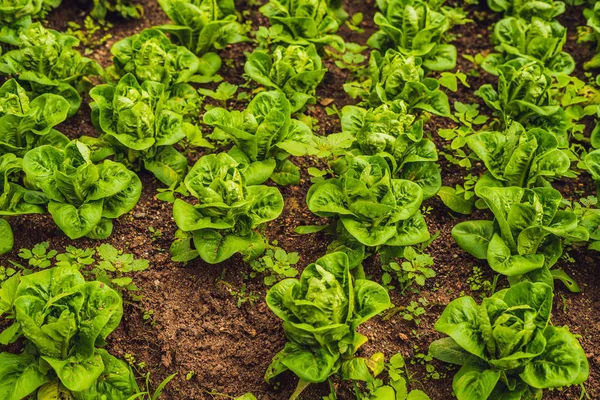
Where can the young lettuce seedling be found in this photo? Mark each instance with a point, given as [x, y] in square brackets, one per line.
[13, 198]
[506, 346]
[524, 95]
[203, 27]
[82, 196]
[536, 39]
[124, 7]
[138, 127]
[16, 16]
[265, 135]
[390, 132]
[152, 56]
[414, 29]
[544, 9]
[27, 123]
[306, 21]
[65, 321]
[322, 340]
[227, 211]
[295, 70]
[526, 237]
[393, 77]
[46, 62]
[374, 208]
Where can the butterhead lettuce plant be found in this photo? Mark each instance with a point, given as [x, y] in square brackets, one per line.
[13, 198]
[83, 197]
[152, 56]
[65, 321]
[26, 123]
[592, 16]
[264, 136]
[524, 95]
[306, 21]
[125, 8]
[526, 237]
[390, 132]
[393, 77]
[295, 70]
[506, 347]
[373, 207]
[414, 29]
[519, 157]
[47, 62]
[592, 162]
[320, 314]
[135, 123]
[535, 40]
[203, 26]
[527, 9]
[16, 15]
[227, 210]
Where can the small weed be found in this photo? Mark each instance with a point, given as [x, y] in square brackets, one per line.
[242, 295]
[155, 233]
[91, 34]
[477, 283]
[75, 257]
[416, 269]
[104, 263]
[39, 256]
[467, 116]
[411, 312]
[148, 317]
[6, 273]
[131, 360]
[275, 264]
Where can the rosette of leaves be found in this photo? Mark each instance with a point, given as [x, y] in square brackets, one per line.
[203, 26]
[320, 314]
[65, 321]
[536, 40]
[414, 29]
[295, 70]
[12, 198]
[390, 132]
[398, 77]
[25, 123]
[83, 197]
[17, 15]
[592, 16]
[373, 207]
[591, 221]
[524, 95]
[519, 157]
[151, 56]
[125, 8]
[306, 21]
[185, 100]
[136, 124]
[592, 161]
[226, 212]
[527, 9]
[46, 62]
[264, 136]
[588, 213]
[506, 347]
[526, 237]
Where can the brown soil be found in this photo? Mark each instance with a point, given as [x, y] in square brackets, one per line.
[198, 326]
